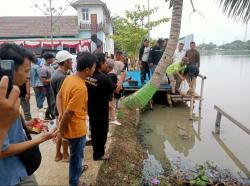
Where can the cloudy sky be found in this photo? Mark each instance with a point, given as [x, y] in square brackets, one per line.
[216, 27]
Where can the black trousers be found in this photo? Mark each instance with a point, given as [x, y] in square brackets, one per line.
[50, 111]
[99, 130]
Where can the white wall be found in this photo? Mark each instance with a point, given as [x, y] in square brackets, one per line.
[108, 44]
[93, 9]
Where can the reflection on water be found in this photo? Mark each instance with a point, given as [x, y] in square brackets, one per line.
[175, 137]
[224, 52]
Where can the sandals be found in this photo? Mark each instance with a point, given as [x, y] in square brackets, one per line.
[105, 157]
[84, 168]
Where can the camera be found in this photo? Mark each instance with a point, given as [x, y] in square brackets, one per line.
[7, 69]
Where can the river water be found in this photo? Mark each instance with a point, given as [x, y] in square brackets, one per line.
[171, 137]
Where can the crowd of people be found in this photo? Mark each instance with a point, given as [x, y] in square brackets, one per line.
[185, 64]
[75, 97]
[82, 93]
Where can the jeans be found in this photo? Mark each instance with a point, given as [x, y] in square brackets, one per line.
[28, 181]
[152, 69]
[76, 147]
[26, 108]
[40, 96]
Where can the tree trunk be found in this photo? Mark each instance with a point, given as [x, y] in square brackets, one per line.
[166, 59]
[140, 98]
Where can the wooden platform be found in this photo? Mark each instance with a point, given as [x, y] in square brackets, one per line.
[136, 76]
[167, 89]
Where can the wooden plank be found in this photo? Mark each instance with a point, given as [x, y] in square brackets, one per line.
[186, 96]
[185, 99]
[217, 123]
[240, 125]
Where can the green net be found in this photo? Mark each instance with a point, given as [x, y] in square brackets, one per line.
[120, 114]
[140, 98]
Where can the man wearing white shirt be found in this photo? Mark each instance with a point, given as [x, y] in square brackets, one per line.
[179, 53]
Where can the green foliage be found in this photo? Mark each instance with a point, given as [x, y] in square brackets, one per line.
[200, 179]
[238, 9]
[237, 45]
[131, 30]
[209, 46]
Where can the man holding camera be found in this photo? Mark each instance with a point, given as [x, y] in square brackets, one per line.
[8, 105]
[12, 168]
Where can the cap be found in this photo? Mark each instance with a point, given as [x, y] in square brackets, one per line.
[110, 63]
[63, 55]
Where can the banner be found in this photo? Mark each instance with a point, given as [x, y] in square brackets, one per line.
[186, 40]
[32, 44]
[48, 44]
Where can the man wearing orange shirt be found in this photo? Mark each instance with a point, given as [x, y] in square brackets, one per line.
[72, 103]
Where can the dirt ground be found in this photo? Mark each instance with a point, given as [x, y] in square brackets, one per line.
[125, 166]
[56, 173]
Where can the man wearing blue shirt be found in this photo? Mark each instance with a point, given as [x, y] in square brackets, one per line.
[12, 170]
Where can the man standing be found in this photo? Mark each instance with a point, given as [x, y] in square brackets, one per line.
[119, 67]
[155, 54]
[179, 53]
[100, 89]
[64, 60]
[46, 72]
[12, 169]
[36, 84]
[193, 55]
[143, 60]
[72, 101]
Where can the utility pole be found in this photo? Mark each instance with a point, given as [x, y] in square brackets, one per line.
[51, 24]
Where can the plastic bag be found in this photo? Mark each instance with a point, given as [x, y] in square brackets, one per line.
[184, 87]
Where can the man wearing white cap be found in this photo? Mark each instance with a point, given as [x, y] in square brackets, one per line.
[64, 60]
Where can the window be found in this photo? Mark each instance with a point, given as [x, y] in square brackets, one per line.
[85, 14]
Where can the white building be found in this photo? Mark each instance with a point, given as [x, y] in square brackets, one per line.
[94, 18]
[72, 32]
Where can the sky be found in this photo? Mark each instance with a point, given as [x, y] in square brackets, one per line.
[216, 27]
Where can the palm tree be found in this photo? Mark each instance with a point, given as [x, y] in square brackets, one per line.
[143, 96]
[238, 9]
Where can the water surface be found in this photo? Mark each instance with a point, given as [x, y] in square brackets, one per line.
[176, 139]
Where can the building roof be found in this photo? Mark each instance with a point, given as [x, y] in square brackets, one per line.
[37, 26]
[91, 2]
[88, 2]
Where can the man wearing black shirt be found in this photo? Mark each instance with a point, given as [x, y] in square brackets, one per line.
[155, 54]
[100, 88]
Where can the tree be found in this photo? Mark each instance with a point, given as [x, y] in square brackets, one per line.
[238, 9]
[50, 10]
[141, 97]
[131, 30]
[209, 46]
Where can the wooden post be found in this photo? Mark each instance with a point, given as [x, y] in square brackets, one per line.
[217, 123]
[191, 108]
[234, 121]
[169, 100]
[201, 93]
